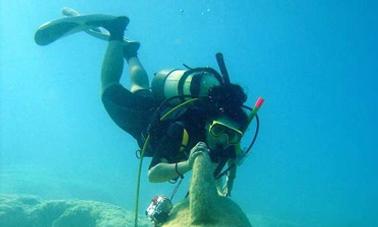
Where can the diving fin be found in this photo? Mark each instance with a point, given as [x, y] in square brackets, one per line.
[69, 12]
[56, 29]
[97, 32]
[101, 33]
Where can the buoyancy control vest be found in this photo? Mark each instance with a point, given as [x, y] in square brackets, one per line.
[172, 88]
[178, 89]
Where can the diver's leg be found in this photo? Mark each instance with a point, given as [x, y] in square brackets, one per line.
[117, 49]
[112, 66]
[138, 75]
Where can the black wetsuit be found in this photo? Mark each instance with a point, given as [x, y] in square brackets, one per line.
[167, 144]
[130, 111]
[133, 112]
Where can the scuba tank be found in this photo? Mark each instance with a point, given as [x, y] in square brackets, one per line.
[187, 83]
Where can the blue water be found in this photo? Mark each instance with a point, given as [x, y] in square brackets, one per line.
[315, 63]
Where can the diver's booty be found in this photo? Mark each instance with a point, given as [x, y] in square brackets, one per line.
[115, 26]
[130, 49]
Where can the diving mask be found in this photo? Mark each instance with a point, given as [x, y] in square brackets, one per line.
[218, 128]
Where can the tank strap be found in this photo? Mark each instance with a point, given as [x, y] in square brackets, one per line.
[195, 85]
[201, 71]
[180, 86]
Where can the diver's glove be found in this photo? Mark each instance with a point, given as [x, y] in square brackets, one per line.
[198, 149]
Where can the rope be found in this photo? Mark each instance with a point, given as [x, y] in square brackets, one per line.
[176, 189]
[146, 143]
[138, 181]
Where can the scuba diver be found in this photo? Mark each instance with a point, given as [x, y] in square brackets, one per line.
[183, 114]
[213, 125]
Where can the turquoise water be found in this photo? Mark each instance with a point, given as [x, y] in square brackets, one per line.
[314, 163]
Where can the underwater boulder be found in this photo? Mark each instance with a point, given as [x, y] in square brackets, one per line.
[205, 207]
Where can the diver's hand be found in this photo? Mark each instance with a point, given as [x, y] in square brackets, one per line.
[199, 148]
[223, 192]
[227, 190]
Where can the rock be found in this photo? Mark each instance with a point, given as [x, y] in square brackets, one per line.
[28, 211]
[205, 207]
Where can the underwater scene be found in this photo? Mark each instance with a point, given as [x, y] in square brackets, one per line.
[188, 113]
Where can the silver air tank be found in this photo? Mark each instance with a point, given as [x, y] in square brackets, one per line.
[184, 82]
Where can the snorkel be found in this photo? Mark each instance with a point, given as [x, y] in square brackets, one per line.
[253, 114]
[222, 68]
[226, 80]
[253, 111]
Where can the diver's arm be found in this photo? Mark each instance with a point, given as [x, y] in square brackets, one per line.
[230, 178]
[163, 171]
[225, 188]
[232, 164]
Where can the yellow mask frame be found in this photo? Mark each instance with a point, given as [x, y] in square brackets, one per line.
[217, 128]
